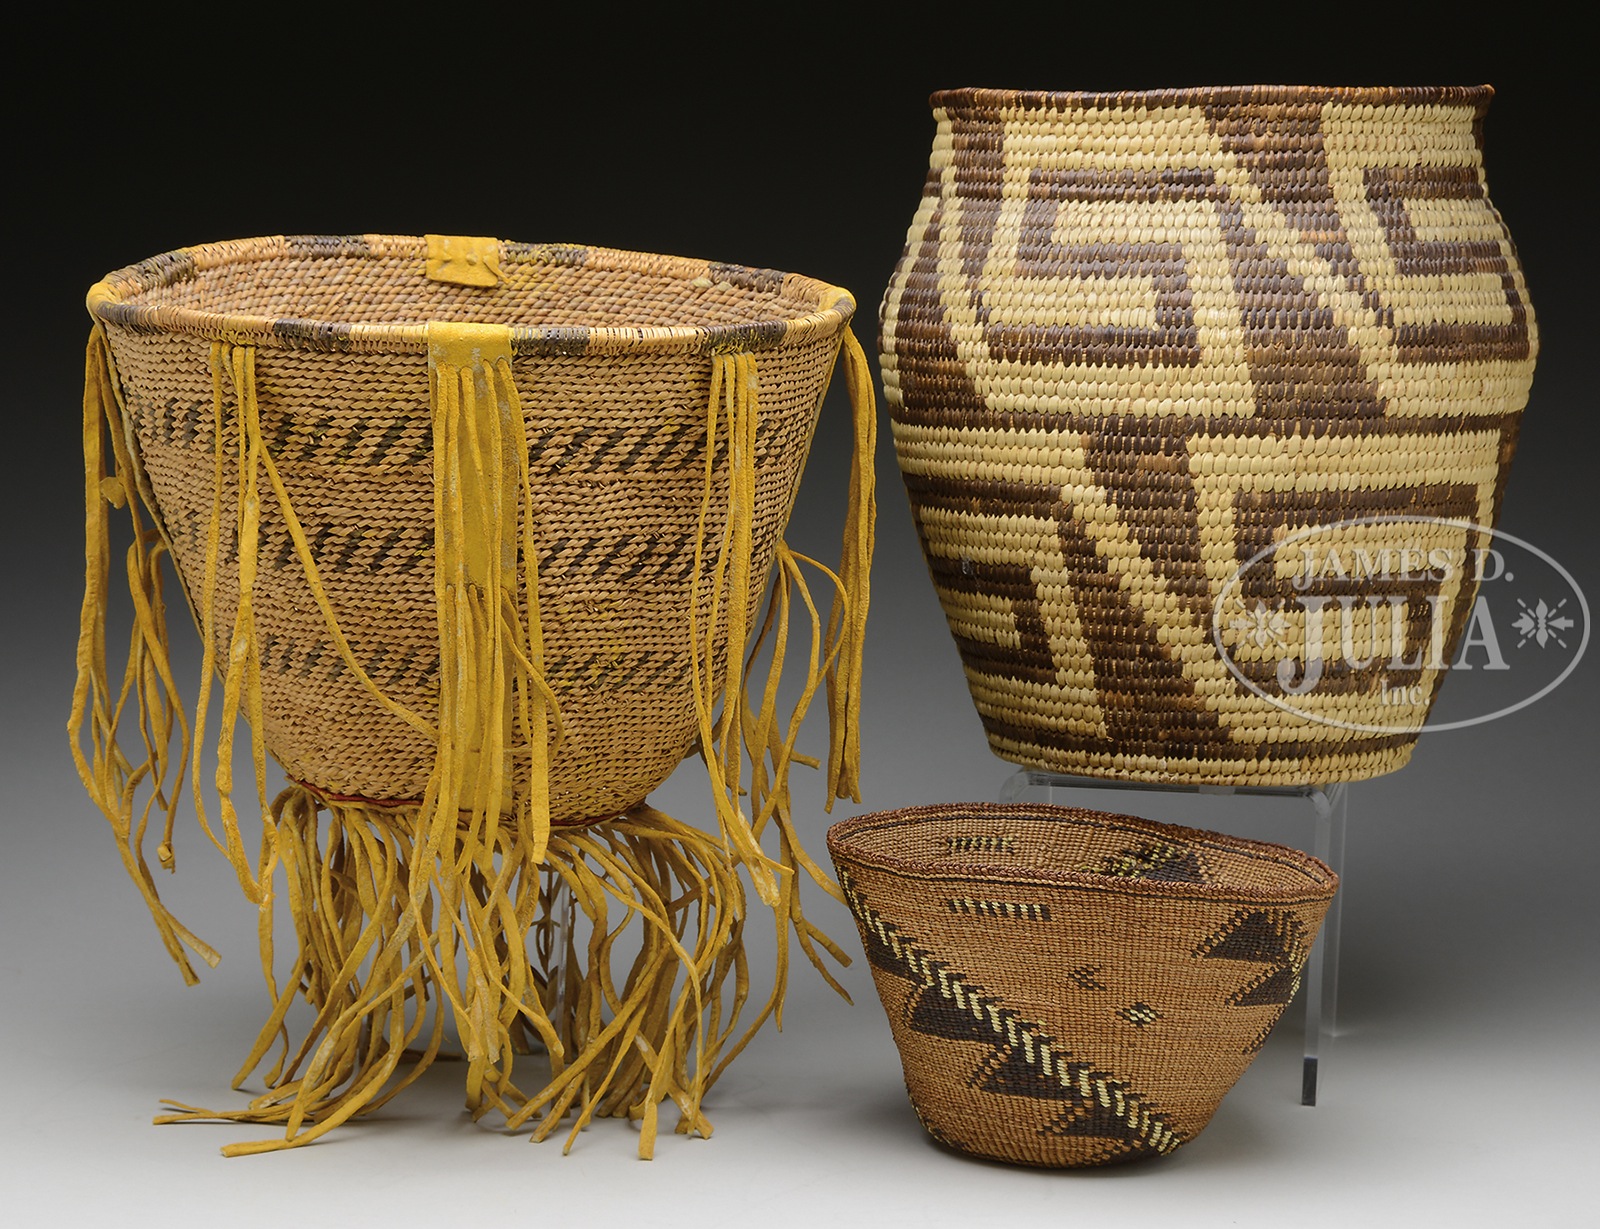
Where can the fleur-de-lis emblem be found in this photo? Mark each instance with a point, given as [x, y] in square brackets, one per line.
[1260, 623]
[1542, 623]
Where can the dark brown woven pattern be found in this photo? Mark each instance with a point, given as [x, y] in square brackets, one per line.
[1069, 987]
[1134, 340]
[611, 362]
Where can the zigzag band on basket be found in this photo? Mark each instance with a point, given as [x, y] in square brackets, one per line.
[1069, 987]
[1136, 343]
[475, 534]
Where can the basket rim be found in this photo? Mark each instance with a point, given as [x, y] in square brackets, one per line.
[1318, 880]
[987, 99]
[107, 300]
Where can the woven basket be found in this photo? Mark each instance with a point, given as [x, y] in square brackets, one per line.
[1068, 987]
[476, 535]
[1137, 343]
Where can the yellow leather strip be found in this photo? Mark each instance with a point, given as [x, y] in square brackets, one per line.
[112, 776]
[464, 260]
[466, 355]
[847, 622]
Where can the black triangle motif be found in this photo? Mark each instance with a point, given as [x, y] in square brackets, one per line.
[881, 956]
[1025, 1060]
[1277, 940]
[1251, 934]
[1185, 869]
[1277, 986]
[1161, 860]
[1089, 1118]
[936, 1016]
[1014, 1076]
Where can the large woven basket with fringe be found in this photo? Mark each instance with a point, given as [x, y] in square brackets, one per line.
[476, 535]
[1069, 987]
[1204, 400]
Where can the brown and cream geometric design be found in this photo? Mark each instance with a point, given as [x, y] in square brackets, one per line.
[1106, 1120]
[1090, 1000]
[1134, 339]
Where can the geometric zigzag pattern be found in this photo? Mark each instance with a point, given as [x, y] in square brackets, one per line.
[1025, 1061]
[1089, 999]
[1135, 339]
[618, 465]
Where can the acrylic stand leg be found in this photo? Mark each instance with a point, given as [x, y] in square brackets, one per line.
[1330, 808]
[551, 941]
[1320, 983]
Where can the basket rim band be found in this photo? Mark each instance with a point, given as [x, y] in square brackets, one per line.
[978, 99]
[1320, 881]
[107, 300]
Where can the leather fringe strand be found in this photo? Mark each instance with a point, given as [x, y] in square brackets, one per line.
[454, 903]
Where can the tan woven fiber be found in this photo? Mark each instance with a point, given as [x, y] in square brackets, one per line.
[1135, 343]
[617, 464]
[476, 534]
[1069, 987]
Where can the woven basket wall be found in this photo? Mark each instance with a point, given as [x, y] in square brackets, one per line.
[1136, 340]
[611, 358]
[1068, 987]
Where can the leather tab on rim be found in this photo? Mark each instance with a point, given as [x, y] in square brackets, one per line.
[464, 260]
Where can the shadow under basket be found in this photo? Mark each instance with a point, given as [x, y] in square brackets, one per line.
[1068, 987]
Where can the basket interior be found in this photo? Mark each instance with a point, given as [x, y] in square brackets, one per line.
[540, 288]
[1024, 843]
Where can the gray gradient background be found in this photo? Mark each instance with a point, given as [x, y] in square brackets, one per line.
[1461, 1086]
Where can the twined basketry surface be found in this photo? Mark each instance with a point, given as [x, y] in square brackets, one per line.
[1069, 987]
[611, 358]
[1134, 340]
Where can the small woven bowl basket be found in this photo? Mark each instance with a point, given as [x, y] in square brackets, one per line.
[1068, 987]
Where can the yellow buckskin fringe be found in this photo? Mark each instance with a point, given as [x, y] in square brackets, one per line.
[399, 907]
[111, 779]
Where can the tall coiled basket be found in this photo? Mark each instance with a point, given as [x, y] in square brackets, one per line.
[1204, 400]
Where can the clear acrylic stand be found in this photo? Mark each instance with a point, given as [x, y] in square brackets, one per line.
[1319, 988]
[551, 938]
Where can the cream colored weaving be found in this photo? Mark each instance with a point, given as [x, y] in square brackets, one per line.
[1138, 342]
